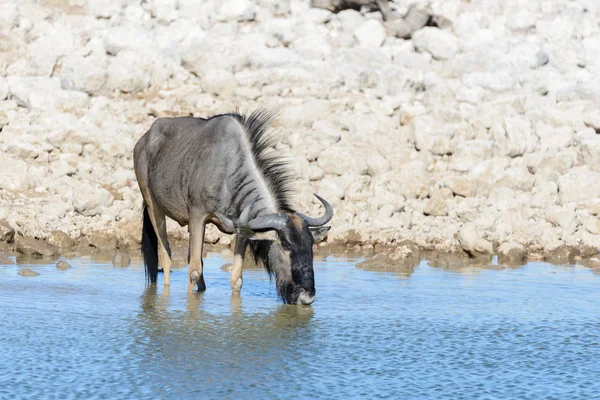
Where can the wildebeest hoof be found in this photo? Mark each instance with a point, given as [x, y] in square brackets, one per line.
[237, 285]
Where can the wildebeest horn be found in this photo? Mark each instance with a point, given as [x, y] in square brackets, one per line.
[323, 219]
[270, 221]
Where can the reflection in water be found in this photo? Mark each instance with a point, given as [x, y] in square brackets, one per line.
[216, 347]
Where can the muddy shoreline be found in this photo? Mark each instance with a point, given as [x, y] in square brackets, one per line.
[400, 256]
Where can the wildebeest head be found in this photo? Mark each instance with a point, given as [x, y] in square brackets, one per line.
[289, 254]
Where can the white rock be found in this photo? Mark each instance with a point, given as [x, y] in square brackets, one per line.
[580, 184]
[237, 10]
[370, 34]
[511, 252]
[79, 73]
[58, 210]
[3, 89]
[441, 44]
[592, 225]
[90, 200]
[377, 164]
[219, 82]
[350, 19]
[45, 93]
[14, 173]
[438, 205]
[430, 134]
[462, 186]
[517, 178]
[312, 47]
[331, 163]
[127, 73]
[104, 8]
[201, 54]
[514, 138]
[165, 11]
[126, 37]
[275, 57]
[8, 16]
[277, 7]
[471, 241]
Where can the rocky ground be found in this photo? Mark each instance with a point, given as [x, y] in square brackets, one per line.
[479, 131]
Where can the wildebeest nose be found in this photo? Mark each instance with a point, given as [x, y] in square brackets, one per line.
[305, 298]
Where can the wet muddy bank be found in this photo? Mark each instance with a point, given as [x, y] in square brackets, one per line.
[400, 256]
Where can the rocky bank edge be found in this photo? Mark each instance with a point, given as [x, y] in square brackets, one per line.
[478, 131]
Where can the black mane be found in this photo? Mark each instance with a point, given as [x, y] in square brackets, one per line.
[274, 168]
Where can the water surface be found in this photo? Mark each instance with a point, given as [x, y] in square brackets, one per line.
[95, 331]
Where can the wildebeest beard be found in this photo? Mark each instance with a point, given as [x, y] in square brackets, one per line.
[288, 285]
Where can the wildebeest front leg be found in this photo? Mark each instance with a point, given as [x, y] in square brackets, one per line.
[236, 280]
[196, 226]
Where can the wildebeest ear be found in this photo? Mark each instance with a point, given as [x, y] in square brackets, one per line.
[319, 232]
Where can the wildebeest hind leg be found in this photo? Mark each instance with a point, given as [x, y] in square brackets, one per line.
[235, 279]
[196, 227]
[164, 251]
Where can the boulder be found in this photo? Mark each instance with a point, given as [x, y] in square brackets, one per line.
[7, 233]
[580, 184]
[441, 44]
[437, 205]
[472, 243]
[91, 200]
[563, 255]
[35, 247]
[514, 137]
[512, 253]
[370, 33]
[60, 239]
[79, 73]
[104, 8]
[26, 272]
[63, 265]
[14, 173]
[462, 185]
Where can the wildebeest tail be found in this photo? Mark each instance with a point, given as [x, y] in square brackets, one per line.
[149, 247]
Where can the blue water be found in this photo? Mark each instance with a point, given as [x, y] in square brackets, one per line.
[95, 331]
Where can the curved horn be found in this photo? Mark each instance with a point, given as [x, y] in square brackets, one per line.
[323, 219]
[270, 221]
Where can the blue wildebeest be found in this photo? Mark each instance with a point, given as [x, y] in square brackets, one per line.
[223, 171]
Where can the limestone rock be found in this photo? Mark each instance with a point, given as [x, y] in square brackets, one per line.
[104, 8]
[441, 44]
[472, 242]
[578, 185]
[26, 272]
[99, 241]
[63, 265]
[511, 253]
[437, 205]
[14, 173]
[563, 255]
[79, 73]
[7, 233]
[35, 247]
[462, 186]
[370, 34]
[92, 201]
[60, 239]
[514, 138]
